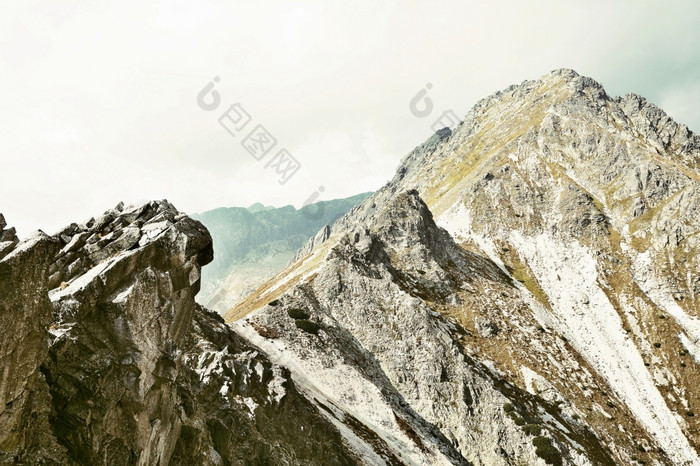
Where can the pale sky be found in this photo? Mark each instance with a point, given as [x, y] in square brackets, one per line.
[99, 99]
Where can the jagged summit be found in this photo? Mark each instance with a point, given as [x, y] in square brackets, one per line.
[101, 243]
[570, 269]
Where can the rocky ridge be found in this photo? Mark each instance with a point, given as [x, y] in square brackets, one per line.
[25, 315]
[420, 384]
[577, 213]
[113, 362]
[524, 291]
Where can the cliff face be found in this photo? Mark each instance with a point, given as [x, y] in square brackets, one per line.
[567, 272]
[121, 366]
[25, 314]
[383, 339]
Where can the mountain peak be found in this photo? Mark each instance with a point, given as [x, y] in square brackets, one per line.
[554, 230]
[258, 207]
[565, 73]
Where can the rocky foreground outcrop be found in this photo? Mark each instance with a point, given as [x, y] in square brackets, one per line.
[107, 359]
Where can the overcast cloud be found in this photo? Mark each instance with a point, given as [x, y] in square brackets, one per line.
[98, 99]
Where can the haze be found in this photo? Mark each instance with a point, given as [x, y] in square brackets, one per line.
[99, 100]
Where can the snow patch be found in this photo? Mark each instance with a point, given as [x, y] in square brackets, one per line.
[343, 386]
[692, 348]
[85, 279]
[259, 370]
[210, 363]
[252, 406]
[644, 274]
[597, 334]
[58, 332]
[457, 221]
[25, 245]
[276, 385]
[121, 297]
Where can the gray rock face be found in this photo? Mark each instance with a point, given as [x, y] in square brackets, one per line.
[372, 310]
[121, 366]
[8, 238]
[524, 291]
[118, 328]
[25, 314]
[567, 272]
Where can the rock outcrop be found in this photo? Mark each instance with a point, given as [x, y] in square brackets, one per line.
[367, 325]
[25, 315]
[121, 366]
[523, 291]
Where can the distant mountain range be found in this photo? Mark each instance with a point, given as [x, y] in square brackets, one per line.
[253, 244]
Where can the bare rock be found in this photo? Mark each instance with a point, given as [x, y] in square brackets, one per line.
[25, 313]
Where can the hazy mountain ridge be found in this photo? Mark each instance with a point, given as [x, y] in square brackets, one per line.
[252, 244]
